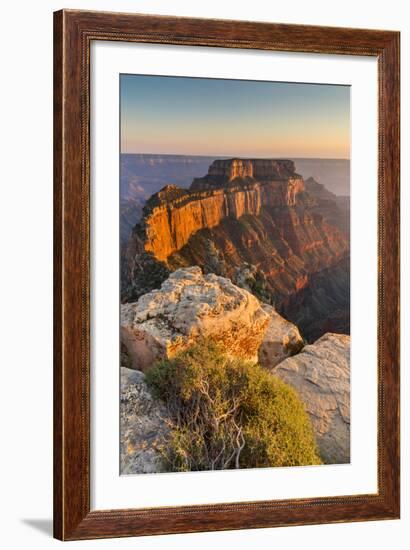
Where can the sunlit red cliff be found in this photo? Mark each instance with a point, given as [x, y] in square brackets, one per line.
[259, 212]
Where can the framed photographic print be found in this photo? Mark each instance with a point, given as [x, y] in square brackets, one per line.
[226, 288]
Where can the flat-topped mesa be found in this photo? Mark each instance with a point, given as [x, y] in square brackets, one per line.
[258, 169]
[172, 215]
[224, 171]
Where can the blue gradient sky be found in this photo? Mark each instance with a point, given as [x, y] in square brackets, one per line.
[196, 116]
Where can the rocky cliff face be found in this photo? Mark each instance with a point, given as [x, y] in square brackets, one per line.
[259, 169]
[173, 215]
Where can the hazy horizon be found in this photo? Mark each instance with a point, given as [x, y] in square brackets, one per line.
[233, 118]
[210, 155]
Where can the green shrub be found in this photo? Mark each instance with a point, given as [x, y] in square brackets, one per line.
[229, 413]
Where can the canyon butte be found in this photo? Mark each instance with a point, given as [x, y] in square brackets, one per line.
[258, 223]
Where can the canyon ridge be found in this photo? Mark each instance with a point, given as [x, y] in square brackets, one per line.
[259, 223]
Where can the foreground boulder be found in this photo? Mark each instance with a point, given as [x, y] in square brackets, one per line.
[144, 425]
[320, 374]
[190, 305]
[282, 339]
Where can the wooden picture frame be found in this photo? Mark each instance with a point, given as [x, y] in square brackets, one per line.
[74, 32]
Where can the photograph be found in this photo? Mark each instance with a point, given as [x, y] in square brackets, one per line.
[234, 274]
[205, 228]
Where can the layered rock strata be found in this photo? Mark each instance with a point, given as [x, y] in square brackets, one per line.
[250, 212]
[173, 215]
[259, 169]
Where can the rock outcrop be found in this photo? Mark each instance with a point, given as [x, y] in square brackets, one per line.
[320, 374]
[190, 305]
[282, 339]
[144, 425]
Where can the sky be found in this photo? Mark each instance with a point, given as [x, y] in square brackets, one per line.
[244, 118]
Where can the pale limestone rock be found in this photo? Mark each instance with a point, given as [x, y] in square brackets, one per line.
[282, 339]
[321, 376]
[144, 425]
[190, 305]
